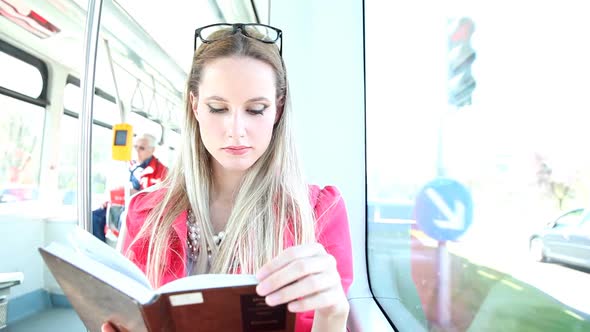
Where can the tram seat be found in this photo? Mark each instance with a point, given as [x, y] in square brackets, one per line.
[115, 210]
[7, 280]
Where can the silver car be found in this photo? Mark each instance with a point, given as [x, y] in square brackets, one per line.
[566, 239]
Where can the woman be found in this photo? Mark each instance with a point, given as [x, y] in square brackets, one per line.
[235, 201]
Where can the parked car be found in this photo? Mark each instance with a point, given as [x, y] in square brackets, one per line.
[565, 239]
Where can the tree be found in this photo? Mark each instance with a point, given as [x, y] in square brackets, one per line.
[557, 185]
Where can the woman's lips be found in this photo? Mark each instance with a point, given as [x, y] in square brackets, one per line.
[237, 150]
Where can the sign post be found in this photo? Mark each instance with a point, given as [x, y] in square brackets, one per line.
[444, 211]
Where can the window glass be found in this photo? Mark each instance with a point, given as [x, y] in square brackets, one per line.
[20, 76]
[168, 152]
[104, 110]
[72, 98]
[68, 159]
[142, 125]
[102, 164]
[107, 112]
[475, 141]
[586, 215]
[21, 137]
[569, 219]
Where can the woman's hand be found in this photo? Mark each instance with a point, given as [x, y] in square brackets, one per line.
[110, 327]
[306, 278]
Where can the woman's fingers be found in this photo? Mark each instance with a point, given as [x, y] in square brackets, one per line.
[292, 272]
[287, 256]
[305, 287]
[108, 327]
[317, 301]
[306, 278]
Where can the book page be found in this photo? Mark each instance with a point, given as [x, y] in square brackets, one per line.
[105, 274]
[93, 248]
[206, 281]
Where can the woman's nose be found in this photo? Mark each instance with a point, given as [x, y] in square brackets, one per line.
[237, 125]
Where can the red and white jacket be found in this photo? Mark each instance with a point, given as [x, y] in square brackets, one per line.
[154, 173]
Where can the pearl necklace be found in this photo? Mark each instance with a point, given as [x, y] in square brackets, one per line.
[194, 236]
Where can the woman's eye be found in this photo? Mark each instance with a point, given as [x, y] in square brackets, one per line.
[257, 110]
[215, 109]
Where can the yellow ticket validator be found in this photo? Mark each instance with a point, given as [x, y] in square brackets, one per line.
[122, 141]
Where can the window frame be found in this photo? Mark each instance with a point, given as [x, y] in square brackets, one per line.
[40, 101]
[30, 59]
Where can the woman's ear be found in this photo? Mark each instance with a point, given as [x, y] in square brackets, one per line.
[194, 102]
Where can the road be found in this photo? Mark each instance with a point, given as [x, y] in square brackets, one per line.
[491, 285]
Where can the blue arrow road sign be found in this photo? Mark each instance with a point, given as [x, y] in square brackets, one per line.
[444, 209]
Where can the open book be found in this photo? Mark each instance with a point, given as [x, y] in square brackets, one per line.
[102, 285]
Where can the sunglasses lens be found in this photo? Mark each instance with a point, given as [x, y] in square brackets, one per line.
[262, 33]
[211, 34]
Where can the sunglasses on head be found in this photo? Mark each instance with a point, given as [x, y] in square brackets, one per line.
[261, 32]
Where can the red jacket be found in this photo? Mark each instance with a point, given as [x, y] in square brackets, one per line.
[332, 232]
[154, 173]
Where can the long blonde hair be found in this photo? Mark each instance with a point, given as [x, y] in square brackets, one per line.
[273, 199]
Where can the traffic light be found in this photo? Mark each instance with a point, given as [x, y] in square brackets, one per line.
[460, 57]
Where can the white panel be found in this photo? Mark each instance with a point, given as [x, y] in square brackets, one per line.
[323, 51]
[20, 237]
[56, 229]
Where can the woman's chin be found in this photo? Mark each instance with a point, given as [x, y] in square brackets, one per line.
[236, 166]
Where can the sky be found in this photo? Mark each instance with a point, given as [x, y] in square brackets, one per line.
[532, 73]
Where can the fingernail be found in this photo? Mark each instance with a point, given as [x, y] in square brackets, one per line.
[261, 289]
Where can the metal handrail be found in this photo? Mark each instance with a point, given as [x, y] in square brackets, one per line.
[87, 82]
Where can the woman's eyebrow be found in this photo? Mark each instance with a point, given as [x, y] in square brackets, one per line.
[257, 99]
[216, 98]
[251, 100]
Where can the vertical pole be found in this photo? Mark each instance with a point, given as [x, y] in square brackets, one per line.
[84, 165]
[444, 285]
[443, 263]
[443, 260]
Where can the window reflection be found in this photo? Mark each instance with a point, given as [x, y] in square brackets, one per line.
[21, 130]
[508, 126]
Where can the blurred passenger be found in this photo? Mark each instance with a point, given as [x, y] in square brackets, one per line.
[147, 170]
[144, 172]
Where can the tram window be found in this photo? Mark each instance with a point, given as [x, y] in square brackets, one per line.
[107, 112]
[104, 110]
[21, 130]
[142, 125]
[20, 76]
[72, 98]
[68, 159]
[102, 163]
[103, 167]
[168, 153]
[467, 164]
